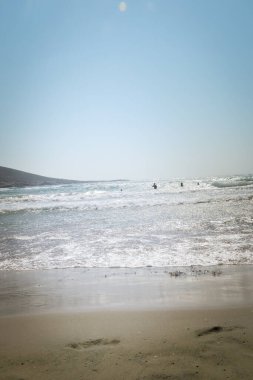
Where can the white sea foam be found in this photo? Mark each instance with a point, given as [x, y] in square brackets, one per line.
[127, 224]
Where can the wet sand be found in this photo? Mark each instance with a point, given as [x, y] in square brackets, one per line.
[129, 324]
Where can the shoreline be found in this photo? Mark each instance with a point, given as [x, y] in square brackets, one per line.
[83, 289]
[143, 324]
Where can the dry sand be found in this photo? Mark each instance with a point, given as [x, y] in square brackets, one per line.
[177, 341]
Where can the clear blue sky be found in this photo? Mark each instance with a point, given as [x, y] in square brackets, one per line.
[152, 89]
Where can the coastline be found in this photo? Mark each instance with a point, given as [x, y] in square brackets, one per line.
[86, 289]
[146, 323]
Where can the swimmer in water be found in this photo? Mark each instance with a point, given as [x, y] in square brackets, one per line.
[154, 185]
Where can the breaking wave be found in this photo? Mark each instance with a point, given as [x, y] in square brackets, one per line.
[237, 181]
[205, 221]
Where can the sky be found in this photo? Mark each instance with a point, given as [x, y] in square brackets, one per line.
[141, 89]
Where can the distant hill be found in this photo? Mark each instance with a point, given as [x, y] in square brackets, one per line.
[17, 178]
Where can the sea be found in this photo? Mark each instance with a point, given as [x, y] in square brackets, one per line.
[127, 224]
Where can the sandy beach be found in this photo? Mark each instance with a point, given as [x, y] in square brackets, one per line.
[132, 324]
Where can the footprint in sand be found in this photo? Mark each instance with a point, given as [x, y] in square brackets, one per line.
[92, 342]
[215, 329]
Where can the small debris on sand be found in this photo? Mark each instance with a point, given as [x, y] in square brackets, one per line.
[177, 273]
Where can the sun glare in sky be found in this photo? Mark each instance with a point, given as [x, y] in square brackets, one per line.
[122, 6]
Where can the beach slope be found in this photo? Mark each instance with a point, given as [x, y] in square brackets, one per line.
[176, 338]
[196, 344]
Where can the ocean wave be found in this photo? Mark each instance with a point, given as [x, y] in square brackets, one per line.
[234, 182]
[134, 204]
[195, 224]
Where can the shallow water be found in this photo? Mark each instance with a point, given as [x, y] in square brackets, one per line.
[127, 224]
[84, 289]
